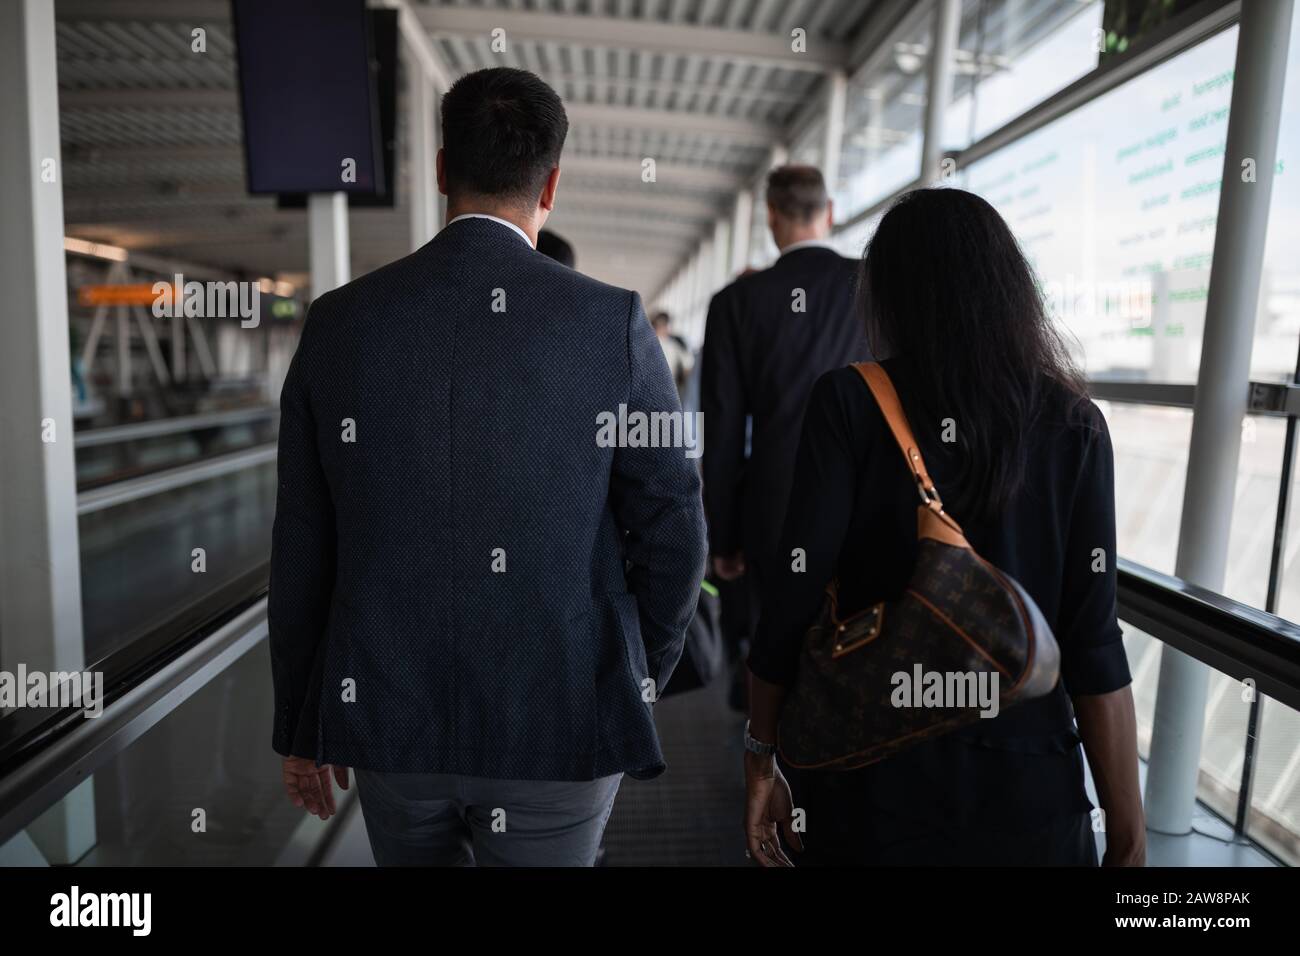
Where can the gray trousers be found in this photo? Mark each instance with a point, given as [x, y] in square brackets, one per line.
[436, 819]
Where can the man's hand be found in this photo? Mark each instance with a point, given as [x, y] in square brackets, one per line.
[729, 566]
[767, 804]
[309, 785]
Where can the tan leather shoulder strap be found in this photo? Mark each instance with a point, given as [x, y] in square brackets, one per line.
[882, 389]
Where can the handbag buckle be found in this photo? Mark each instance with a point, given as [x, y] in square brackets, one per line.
[844, 644]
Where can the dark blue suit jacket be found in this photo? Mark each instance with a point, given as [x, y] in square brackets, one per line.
[472, 584]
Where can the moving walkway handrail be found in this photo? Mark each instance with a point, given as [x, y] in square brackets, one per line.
[115, 434]
[157, 482]
[46, 753]
[1241, 641]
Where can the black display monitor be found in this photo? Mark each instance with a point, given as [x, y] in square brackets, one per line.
[308, 96]
[384, 35]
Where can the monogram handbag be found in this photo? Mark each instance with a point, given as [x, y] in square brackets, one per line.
[963, 640]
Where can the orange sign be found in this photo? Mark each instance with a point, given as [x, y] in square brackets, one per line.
[139, 293]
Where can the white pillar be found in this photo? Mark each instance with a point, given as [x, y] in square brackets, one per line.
[40, 563]
[742, 223]
[40, 568]
[721, 254]
[422, 123]
[943, 47]
[1221, 393]
[837, 86]
[327, 239]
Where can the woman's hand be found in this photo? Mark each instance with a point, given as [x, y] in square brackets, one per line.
[1108, 726]
[1126, 845]
[767, 804]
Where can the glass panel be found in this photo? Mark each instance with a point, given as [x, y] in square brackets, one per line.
[1279, 307]
[1254, 510]
[883, 117]
[1150, 470]
[807, 149]
[1227, 712]
[1223, 746]
[210, 753]
[762, 250]
[1013, 54]
[853, 241]
[1115, 205]
[1144, 664]
[1274, 817]
[137, 560]
[101, 464]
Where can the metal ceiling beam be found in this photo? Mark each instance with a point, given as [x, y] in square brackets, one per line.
[667, 174]
[149, 99]
[585, 114]
[682, 39]
[640, 118]
[143, 10]
[140, 154]
[613, 201]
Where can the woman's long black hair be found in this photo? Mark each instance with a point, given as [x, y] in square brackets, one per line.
[946, 288]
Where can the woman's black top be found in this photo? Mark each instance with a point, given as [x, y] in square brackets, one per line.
[852, 510]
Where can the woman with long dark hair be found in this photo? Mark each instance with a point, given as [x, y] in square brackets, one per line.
[1023, 462]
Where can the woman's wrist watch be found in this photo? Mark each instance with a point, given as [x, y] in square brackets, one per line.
[757, 746]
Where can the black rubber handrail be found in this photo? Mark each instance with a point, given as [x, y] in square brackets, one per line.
[25, 732]
[1241, 641]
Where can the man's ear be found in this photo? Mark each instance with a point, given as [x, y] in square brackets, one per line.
[442, 173]
[547, 200]
[830, 214]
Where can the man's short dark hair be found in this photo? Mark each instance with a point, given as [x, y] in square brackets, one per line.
[797, 193]
[556, 247]
[661, 319]
[502, 133]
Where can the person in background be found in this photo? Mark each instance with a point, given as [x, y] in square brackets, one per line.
[769, 336]
[1029, 476]
[556, 247]
[677, 353]
[473, 596]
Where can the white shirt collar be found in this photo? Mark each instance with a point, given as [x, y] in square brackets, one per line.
[505, 222]
[809, 244]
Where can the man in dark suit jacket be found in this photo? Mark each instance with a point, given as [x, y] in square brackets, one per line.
[474, 598]
[769, 336]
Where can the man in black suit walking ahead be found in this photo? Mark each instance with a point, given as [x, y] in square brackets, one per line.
[478, 588]
[769, 336]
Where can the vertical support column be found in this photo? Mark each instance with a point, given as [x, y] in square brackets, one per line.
[779, 156]
[40, 564]
[327, 239]
[423, 149]
[703, 281]
[742, 223]
[1221, 393]
[939, 74]
[837, 86]
[40, 569]
[721, 254]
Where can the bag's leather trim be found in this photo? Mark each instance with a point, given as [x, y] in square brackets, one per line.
[939, 527]
[1028, 625]
[956, 629]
